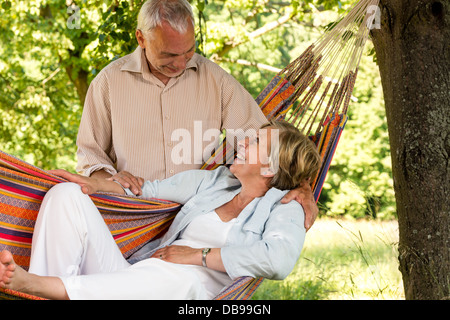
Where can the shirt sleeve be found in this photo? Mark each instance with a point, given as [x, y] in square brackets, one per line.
[239, 108]
[275, 255]
[94, 140]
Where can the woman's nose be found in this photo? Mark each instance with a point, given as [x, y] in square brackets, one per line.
[243, 143]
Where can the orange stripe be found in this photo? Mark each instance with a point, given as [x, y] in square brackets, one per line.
[18, 212]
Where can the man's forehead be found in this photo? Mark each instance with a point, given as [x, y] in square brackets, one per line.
[171, 52]
[173, 43]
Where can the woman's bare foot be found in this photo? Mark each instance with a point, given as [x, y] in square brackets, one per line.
[15, 278]
[11, 275]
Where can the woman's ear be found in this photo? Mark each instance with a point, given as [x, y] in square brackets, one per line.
[267, 173]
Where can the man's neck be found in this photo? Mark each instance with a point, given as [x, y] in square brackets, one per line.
[163, 78]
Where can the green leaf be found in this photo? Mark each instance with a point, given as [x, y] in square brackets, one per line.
[6, 5]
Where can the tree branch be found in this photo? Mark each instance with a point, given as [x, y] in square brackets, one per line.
[261, 66]
[255, 34]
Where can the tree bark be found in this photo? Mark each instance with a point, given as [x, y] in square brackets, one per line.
[413, 52]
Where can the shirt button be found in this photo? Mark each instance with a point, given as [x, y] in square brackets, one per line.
[171, 171]
[167, 117]
[169, 144]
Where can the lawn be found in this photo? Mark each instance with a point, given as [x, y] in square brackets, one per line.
[343, 259]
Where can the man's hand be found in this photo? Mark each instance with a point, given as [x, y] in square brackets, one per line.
[305, 197]
[128, 180]
[89, 185]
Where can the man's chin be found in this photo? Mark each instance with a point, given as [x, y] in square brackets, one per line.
[172, 74]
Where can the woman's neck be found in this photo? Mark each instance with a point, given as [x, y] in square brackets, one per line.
[250, 192]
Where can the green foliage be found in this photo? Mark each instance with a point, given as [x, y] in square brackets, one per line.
[115, 36]
[49, 53]
[37, 101]
[359, 182]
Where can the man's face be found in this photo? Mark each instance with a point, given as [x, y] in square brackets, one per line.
[167, 51]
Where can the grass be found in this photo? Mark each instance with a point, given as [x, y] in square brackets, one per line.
[343, 259]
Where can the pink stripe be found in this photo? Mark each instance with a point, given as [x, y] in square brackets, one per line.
[22, 192]
[15, 238]
[34, 173]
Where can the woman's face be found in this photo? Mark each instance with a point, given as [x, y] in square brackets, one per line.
[252, 159]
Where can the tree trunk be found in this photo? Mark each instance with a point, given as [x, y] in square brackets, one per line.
[413, 52]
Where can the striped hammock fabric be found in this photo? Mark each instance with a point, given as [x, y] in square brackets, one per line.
[132, 221]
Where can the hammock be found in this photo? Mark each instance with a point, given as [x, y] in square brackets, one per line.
[313, 92]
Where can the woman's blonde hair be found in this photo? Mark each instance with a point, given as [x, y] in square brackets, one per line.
[294, 159]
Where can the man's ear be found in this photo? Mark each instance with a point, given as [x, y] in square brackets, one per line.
[140, 38]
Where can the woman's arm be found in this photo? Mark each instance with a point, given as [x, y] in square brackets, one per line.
[182, 186]
[192, 256]
[89, 185]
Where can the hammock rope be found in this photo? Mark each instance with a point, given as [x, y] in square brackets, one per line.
[325, 72]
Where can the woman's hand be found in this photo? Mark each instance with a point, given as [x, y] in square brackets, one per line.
[179, 254]
[89, 185]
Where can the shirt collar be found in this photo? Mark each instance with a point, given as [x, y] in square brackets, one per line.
[138, 63]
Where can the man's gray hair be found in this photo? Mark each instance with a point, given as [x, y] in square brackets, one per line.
[174, 12]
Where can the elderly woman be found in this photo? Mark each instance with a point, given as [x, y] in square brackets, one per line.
[232, 224]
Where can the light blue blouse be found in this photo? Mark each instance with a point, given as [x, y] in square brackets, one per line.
[266, 239]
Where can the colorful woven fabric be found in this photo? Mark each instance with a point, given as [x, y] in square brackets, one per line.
[241, 289]
[326, 142]
[275, 99]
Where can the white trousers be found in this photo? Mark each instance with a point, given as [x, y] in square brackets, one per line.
[71, 241]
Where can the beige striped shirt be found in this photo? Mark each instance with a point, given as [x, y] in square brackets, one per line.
[132, 121]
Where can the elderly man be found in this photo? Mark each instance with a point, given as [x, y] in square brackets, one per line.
[137, 103]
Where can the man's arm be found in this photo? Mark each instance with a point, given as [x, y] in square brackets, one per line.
[95, 150]
[90, 185]
[126, 179]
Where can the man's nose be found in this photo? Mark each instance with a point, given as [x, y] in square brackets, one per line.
[180, 62]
